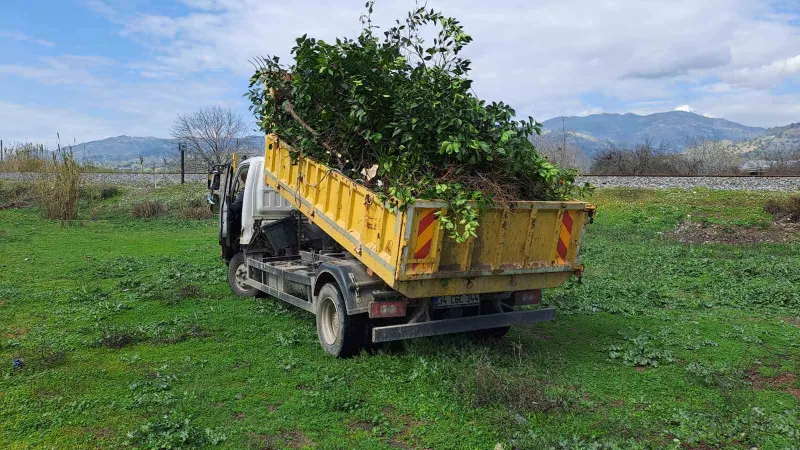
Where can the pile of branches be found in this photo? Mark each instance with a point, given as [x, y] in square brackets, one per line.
[403, 111]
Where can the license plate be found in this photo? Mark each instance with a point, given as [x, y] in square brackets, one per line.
[450, 301]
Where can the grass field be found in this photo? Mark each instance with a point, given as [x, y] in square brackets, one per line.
[128, 336]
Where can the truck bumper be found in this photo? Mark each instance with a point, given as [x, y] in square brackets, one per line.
[447, 326]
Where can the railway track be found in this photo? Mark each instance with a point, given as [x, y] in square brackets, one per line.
[734, 182]
[727, 183]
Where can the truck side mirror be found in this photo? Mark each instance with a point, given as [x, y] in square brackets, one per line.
[213, 180]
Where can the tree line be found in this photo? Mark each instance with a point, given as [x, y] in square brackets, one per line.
[697, 157]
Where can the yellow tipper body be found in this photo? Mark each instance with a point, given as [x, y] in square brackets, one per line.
[527, 245]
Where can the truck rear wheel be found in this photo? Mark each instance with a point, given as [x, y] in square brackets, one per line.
[340, 335]
[237, 274]
[494, 308]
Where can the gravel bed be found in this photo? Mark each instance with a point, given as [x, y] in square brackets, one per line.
[786, 184]
[127, 179]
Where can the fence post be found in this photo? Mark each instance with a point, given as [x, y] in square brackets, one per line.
[182, 148]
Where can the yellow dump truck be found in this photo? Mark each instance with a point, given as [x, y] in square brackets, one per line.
[305, 233]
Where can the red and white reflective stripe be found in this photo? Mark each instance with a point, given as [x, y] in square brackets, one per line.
[564, 237]
[422, 248]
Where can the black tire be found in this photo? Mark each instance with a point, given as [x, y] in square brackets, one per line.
[236, 269]
[339, 334]
[498, 333]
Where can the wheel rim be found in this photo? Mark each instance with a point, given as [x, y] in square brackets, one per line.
[330, 321]
[240, 276]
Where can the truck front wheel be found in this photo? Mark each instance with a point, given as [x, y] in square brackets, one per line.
[339, 334]
[237, 274]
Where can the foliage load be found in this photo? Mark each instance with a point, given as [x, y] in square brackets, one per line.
[405, 108]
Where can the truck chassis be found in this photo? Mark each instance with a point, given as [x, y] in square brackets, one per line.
[298, 280]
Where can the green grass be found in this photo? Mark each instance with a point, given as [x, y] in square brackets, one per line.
[130, 337]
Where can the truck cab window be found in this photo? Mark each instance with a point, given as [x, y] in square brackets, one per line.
[239, 183]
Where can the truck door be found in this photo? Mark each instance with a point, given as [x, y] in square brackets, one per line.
[224, 216]
[230, 215]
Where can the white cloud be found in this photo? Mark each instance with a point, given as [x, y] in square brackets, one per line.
[20, 123]
[685, 108]
[73, 70]
[590, 111]
[540, 55]
[753, 107]
[547, 58]
[17, 36]
[766, 75]
[85, 83]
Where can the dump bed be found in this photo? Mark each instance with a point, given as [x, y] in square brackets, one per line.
[528, 245]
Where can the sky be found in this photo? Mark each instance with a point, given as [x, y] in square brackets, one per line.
[91, 69]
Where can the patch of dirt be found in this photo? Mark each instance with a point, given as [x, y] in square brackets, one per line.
[792, 321]
[3, 303]
[288, 439]
[703, 233]
[360, 425]
[243, 364]
[404, 438]
[793, 391]
[44, 392]
[239, 416]
[17, 333]
[103, 433]
[785, 382]
[697, 446]
[189, 291]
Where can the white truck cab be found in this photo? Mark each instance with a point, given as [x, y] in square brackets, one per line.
[261, 202]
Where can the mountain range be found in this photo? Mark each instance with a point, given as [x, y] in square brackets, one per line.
[124, 151]
[676, 128]
[588, 133]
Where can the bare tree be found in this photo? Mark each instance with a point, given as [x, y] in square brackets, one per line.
[557, 149]
[705, 156]
[211, 134]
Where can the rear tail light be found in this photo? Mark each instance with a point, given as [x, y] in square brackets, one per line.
[532, 297]
[387, 309]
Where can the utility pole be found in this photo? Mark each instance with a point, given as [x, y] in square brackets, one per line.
[182, 149]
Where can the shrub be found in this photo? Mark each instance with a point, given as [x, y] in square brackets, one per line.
[148, 209]
[196, 212]
[492, 385]
[114, 337]
[16, 195]
[172, 431]
[787, 210]
[58, 187]
[409, 113]
[43, 355]
[99, 192]
[25, 157]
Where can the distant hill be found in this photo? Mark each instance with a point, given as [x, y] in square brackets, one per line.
[125, 148]
[589, 133]
[121, 151]
[775, 140]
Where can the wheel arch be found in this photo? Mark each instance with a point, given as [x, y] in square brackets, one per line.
[347, 275]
